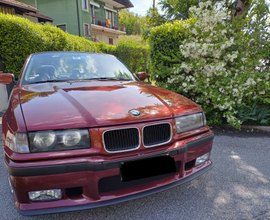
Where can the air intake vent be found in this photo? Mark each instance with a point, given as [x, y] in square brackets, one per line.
[156, 134]
[121, 139]
[114, 183]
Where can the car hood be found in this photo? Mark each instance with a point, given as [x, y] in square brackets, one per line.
[98, 103]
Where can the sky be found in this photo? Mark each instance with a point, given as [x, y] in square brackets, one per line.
[141, 6]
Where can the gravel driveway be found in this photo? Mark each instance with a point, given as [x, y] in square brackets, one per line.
[238, 187]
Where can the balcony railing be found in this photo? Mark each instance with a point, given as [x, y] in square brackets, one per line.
[100, 21]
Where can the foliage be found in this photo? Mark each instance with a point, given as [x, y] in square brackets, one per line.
[258, 25]
[107, 48]
[164, 44]
[255, 114]
[154, 18]
[20, 37]
[137, 28]
[133, 53]
[134, 38]
[173, 10]
[218, 66]
[135, 24]
[177, 9]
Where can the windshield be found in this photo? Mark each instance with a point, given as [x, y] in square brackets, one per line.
[74, 66]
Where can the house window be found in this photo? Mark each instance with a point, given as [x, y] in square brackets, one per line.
[85, 5]
[111, 41]
[86, 30]
[93, 14]
[109, 18]
[63, 27]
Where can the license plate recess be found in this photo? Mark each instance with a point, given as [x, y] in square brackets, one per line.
[139, 169]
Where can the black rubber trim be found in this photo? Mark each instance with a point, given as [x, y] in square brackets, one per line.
[114, 201]
[79, 167]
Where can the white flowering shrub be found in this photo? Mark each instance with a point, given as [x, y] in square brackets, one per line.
[220, 66]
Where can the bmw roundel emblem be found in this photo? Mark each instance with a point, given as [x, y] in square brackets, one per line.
[135, 113]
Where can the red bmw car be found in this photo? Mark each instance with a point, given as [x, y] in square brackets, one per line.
[82, 131]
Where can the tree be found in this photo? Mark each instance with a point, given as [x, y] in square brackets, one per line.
[177, 9]
[153, 18]
[129, 19]
[137, 28]
[241, 7]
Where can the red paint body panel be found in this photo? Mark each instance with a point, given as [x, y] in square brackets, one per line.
[51, 106]
[13, 120]
[89, 181]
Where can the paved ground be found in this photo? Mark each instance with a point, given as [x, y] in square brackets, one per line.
[238, 187]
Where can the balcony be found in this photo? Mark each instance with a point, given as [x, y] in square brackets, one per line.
[106, 23]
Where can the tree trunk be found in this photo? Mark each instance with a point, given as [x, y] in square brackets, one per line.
[241, 7]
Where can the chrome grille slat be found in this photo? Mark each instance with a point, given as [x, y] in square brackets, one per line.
[156, 134]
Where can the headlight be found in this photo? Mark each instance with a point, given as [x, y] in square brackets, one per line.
[45, 141]
[18, 142]
[190, 122]
[71, 138]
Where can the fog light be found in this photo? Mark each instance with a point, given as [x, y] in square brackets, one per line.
[202, 159]
[45, 195]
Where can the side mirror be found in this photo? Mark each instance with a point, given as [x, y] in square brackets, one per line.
[6, 78]
[141, 75]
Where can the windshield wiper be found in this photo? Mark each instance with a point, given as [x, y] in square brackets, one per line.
[81, 80]
[110, 78]
[46, 81]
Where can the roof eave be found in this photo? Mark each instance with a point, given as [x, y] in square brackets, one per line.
[126, 3]
[28, 9]
[41, 17]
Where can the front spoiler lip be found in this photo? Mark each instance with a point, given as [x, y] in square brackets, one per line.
[80, 167]
[114, 201]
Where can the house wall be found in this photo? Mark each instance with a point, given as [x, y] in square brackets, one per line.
[104, 36]
[28, 2]
[62, 11]
[33, 19]
[85, 17]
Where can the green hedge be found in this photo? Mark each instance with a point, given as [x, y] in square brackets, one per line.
[164, 44]
[19, 37]
[135, 56]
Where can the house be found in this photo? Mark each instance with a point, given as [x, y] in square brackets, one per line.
[93, 19]
[105, 25]
[23, 10]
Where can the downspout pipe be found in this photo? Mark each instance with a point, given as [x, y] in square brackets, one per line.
[78, 18]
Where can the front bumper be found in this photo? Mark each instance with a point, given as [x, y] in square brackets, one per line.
[87, 176]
